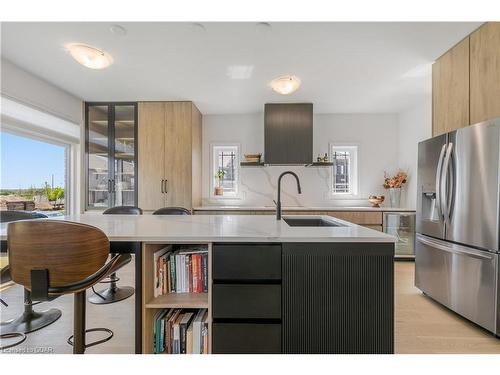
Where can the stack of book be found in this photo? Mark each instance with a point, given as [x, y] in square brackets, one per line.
[181, 331]
[181, 271]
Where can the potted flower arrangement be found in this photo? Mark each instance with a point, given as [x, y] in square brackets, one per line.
[394, 184]
[219, 190]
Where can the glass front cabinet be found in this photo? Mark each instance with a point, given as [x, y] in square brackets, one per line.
[110, 155]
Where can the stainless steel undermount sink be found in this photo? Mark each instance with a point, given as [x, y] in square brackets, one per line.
[311, 222]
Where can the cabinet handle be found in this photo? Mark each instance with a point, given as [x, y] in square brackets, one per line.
[109, 185]
[162, 191]
[166, 191]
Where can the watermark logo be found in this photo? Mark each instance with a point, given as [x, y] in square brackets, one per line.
[29, 350]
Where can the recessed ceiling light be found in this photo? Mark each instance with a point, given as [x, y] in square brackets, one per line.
[239, 71]
[118, 30]
[89, 56]
[285, 85]
[198, 27]
[263, 27]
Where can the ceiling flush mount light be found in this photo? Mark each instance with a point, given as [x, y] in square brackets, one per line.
[89, 56]
[285, 85]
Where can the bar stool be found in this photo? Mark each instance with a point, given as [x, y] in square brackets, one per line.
[30, 320]
[172, 211]
[114, 293]
[52, 258]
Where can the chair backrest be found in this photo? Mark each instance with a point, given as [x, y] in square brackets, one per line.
[9, 216]
[172, 211]
[123, 210]
[69, 251]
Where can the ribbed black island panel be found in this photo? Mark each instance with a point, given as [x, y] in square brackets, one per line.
[338, 298]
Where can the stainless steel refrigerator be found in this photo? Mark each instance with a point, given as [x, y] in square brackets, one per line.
[458, 204]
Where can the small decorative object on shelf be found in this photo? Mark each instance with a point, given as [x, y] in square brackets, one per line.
[323, 159]
[394, 184]
[253, 158]
[219, 190]
[376, 200]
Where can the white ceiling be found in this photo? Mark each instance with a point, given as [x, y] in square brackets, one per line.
[344, 67]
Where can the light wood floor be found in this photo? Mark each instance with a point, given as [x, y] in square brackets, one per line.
[421, 326]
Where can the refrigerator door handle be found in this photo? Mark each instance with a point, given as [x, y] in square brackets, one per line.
[445, 199]
[438, 182]
[454, 248]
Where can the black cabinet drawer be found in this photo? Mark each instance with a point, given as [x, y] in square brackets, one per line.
[243, 338]
[246, 262]
[248, 301]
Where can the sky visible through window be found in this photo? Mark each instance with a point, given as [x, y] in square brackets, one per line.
[26, 162]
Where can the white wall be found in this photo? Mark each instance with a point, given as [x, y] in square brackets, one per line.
[376, 135]
[35, 108]
[27, 88]
[415, 126]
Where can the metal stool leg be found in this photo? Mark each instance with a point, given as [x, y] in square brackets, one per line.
[112, 294]
[77, 340]
[30, 320]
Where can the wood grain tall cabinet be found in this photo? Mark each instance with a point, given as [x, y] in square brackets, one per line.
[169, 155]
[485, 73]
[466, 81]
[450, 90]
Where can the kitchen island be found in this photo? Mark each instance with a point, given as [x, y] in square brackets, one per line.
[273, 287]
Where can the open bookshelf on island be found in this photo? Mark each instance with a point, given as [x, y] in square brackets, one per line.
[169, 301]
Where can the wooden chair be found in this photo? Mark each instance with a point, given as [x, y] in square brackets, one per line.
[172, 211]
[30, 320]
[114, 293]
[51, 258]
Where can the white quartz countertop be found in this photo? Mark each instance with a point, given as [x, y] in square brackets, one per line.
[219, 228]
[300, 208]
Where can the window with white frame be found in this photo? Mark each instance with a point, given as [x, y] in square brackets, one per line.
[225, 169]
[345, 170]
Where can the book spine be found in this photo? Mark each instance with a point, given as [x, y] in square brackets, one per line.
[197, 337]
[200, 273]
[190, 273]
[176, 339]
[182, 332]
[178, 273]
[165, 275]
[168, 276]
[205, 272]
[196, 273]
[160, 277]
[205, 339]
[162, 336]
[172, 273]
[186, 274]
[155, 291]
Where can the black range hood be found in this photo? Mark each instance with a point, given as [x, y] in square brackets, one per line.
[288, 133]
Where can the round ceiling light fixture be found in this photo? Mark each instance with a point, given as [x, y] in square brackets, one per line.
[89, 56]
[285, 85]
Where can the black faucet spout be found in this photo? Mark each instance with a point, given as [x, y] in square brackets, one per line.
[278, 201]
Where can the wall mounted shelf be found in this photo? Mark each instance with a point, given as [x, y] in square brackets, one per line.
[320, 164]
[251, 164]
